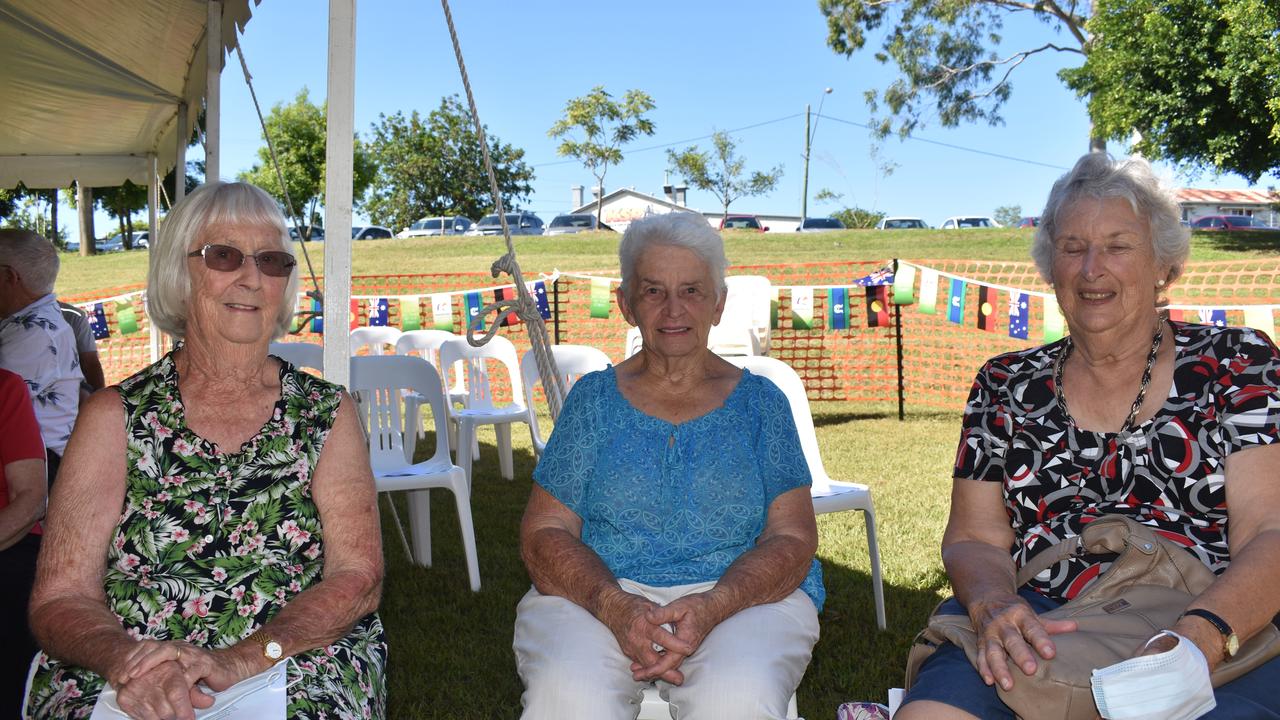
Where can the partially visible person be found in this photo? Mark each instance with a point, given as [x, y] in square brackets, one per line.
[35, 341]
[1174, 425]
[670, 533]
[86, 349]
[22, 502]
[215, 513]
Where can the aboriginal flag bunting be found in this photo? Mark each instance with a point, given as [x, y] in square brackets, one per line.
[878, 306]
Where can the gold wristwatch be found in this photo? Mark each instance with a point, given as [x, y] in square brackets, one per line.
[1230, 641]
[271, 649]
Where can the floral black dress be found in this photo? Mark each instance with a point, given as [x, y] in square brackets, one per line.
[210, 545]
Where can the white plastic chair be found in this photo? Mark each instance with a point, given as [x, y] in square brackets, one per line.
[744, 325]
[426, 344]
[378, 383]
[480, 407]
[828, 495]
[376, 338]
[572, 361]
[299, 354]
[635, 341]
[653, 707]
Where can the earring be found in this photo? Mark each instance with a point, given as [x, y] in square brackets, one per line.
[1159, 283]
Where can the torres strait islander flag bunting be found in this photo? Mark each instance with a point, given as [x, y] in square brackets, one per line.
[838, 308]
[956, 303]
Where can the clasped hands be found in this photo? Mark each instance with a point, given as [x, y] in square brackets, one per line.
[157, 680]
[658, 638]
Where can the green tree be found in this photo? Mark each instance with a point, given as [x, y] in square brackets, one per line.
[946, 53]
[9, 202]
[298, 132]
[121, 203]
[434, 166]
[1008, 215]
[720, 172]
[595, 127]
[856, 217]
[1200, 81]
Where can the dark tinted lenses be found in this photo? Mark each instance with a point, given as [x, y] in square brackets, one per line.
[225, 258]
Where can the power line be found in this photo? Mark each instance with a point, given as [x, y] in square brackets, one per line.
[955, 147]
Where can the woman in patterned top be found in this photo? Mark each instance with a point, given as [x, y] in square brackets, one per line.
[215, 513]
[670, 534]
[1169, 423]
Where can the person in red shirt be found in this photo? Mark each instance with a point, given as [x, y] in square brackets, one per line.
[23, 492]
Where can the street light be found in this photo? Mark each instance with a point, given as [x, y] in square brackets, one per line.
[809, 132]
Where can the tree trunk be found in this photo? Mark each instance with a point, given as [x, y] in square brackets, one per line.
[53, 217]
[1096, 144]
[84, 206]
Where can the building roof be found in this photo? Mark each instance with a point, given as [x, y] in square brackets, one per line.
[1227, 197]
[591, 206]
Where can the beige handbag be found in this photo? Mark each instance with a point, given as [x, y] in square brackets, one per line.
[1145, 590]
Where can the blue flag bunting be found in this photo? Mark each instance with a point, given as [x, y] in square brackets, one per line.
[540, 296]
[378, 312]
[471, 304]
[98, 323]
[838, 308]
[1018, 325]
[1210, 316]
[956, 312]
[317, 321]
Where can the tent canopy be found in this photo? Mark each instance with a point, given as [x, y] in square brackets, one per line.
[92, 88]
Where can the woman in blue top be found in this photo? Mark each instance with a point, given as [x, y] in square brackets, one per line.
[670, 534]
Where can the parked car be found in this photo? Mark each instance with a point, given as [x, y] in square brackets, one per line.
[968, 221]
[369, 232]
[520, 223]
[438, 225]
[902, 223]
[314, 232]
[1231, 222]
[574, 223]
[742, 222]
[1031, 221]
[825, 224]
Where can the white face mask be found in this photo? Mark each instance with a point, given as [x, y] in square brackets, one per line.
[1172, 685]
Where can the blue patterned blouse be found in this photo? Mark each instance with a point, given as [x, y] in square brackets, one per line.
[666, 504]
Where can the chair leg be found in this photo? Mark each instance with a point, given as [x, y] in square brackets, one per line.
[877, 586]
[420, 525]
[506, 464]
[413, 427]
[466, 432]
[462, 496]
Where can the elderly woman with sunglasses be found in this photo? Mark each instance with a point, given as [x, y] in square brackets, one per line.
[215, 513]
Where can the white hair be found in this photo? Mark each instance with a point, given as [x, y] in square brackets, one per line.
[215, 203]
[678, 229]
[32, 257]
[1098, 176]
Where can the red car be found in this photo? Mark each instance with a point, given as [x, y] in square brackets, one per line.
[742, 222]
[1231, 222]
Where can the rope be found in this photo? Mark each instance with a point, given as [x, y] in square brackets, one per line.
[523, 305]
[288, 202]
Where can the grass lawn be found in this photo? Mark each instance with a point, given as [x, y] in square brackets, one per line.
[451, 648]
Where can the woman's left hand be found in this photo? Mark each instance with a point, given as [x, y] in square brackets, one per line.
[691, 618]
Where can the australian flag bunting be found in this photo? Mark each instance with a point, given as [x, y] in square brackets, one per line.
[98, 322]
[883, 276]
[1018, 324]
[540, 297]
[378, 311]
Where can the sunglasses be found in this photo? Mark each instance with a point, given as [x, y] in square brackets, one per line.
[224, 258]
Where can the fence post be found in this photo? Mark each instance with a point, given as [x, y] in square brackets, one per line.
[555, 314]
[897, 325]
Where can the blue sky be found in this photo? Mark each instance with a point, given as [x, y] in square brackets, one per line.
[748, 67]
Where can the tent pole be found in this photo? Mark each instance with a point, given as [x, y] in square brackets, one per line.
[339, 164]
[213, 94]
[180, 155]
[153, 203]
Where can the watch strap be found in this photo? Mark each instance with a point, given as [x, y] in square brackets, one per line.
[1222, 625]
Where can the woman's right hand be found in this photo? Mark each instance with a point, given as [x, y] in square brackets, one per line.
[1010, 631]
[625, 614]
[165, 691]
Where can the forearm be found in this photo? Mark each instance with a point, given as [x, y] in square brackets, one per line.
[1244, 595]
[81, 631]
[17, 518]
[318, 616]
[562, 565]
[767, 573]
[978, 571]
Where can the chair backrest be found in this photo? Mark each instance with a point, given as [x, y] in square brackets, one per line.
[426, 343]
[299, 354]
[572, 362]
[744, 324]
[479, 384]
[375, 338]
[635, 341]
[378, 383]
[782, 375]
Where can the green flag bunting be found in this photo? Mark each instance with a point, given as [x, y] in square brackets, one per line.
[600, 300]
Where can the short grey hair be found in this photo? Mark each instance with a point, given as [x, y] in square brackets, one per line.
[678, 229]
[215, 203]
[32, 257]
[1098, 176]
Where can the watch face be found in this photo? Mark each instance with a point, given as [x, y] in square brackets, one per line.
[273, 650]
[1233, 645]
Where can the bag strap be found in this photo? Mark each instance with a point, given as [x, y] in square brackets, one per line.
[1109, 533]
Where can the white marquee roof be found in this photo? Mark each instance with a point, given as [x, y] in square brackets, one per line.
[90, 88]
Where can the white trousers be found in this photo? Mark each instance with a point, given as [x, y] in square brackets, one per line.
[747, 667]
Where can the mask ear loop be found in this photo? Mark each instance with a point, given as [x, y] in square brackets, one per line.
[1176, 637]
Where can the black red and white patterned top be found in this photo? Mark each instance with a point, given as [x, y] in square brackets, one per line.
[1168, 472]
